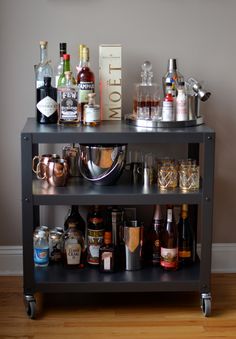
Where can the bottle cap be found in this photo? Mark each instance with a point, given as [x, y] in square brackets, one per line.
[47, 81]
[172, 64]
[157, 213]
[85, 54]
[63, 47]
[66, 56]
[43, 43]
[41, 234]
[81, 50]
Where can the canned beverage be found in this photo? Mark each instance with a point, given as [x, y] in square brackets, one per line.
[55, 246]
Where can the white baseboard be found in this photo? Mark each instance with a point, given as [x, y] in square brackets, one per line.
[223, 259]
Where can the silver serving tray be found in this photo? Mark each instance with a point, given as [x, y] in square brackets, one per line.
[163, 124]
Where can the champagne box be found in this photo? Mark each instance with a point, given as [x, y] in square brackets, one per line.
[110, 81]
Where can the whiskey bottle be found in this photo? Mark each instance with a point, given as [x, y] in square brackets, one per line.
[85, 81]
[95, 232]
[59, 67]
[172, 76]
[44, 68]
[73, 247]
[169, 243]
[46, 103]
[186, 238]
[66, 68]
[107, 254]
[154, 237]
[75, 217]
[68, 102]
[91, 111]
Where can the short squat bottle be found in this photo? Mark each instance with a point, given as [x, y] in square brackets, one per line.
[41, 248]
[47, 103]
[91, 111]
[107, 254]
[169, 243]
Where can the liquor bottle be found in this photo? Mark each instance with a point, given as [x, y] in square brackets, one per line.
[169, 243]
[75, 217]
[73, 247]
[168, 108]
[91, 111]
[95, 232]
[46, 103]
[172, 76]
[67, 97]
[186, 238]
[80, 65]
[85, 81]
[41, 249]
[181, 103]
[107, 254]
[43, 69]
[66, 68]
[154, 236]
[59, 67]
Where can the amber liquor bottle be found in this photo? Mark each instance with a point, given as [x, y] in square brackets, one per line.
[85, 81]
[95, 233]
[107, 254]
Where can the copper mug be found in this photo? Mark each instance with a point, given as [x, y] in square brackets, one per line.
[40, 162]
[57, 172]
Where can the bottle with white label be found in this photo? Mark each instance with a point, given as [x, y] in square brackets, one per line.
[91, 111]
[181, 103]
[73, 247]
[46, 103]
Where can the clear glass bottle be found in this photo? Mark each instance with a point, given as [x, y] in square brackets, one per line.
[181, 103]
[172, 76]
[66, 68]
[91, 111]
[73, 247]
[186, 238]
[68, 102]
[41, 248]
[85, 81]
[147, 95]
[59, 67]
[44, 68]
[46, 107]
[169, 243]
[107, 254]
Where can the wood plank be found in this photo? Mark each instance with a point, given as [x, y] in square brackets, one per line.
[133, 316]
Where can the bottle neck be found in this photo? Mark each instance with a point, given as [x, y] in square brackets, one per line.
[43, 54]
[66, 65]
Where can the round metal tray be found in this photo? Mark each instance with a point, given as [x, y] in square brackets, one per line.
[164, 124]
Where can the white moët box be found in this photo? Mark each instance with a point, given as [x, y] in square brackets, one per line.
[110, 81]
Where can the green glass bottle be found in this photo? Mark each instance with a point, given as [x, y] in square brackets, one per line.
[66, 68]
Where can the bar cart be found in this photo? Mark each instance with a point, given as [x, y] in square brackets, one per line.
[55, 278]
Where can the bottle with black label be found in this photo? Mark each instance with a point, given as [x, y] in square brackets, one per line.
[95, 233]
[47, 103]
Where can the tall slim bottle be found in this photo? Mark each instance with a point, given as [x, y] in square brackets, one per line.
[66, 68]
[169, 243]
[186, 238]
[155, 236]
[59, 67]
[172, 76]
[85, 81]
[44, 68]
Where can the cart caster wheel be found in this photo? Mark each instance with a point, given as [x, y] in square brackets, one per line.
[30, 305]
[206, 304]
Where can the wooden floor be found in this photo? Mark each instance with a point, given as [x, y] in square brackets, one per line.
[161, 315]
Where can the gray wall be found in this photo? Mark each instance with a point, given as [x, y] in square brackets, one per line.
[199, 33]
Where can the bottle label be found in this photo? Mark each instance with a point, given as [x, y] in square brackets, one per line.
[41, 256]
[69, 106]
[73, 254]
[39, 83]
[84, 89]
[95, 240]
[169, 257]
[91, 114]
[47, 106]
[106, 259]
[181, 109]
[168, 111]
[184, 254]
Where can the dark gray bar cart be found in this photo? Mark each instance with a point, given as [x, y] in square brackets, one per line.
[55, 278]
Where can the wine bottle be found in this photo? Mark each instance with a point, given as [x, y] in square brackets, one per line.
[44, 68]
[169, 243]
[47, 103]
[186, 238]
[66, 68]
[155, 236]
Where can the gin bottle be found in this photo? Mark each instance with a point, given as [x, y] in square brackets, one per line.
[43, 69]
[68, 102]
[47, 103]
